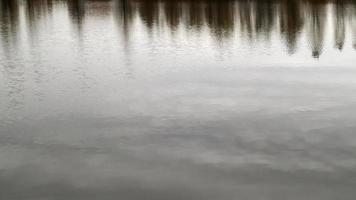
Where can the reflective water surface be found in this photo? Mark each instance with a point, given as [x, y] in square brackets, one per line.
[177, 99]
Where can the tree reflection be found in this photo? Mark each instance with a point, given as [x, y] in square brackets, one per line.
[148, 11]
[316, 21]
[14, 75]
[353, 22]
[339, 21]
[249, 19]
[35, 10]
[291, 21]
[76, 11]
[9, 18]
[254, 19]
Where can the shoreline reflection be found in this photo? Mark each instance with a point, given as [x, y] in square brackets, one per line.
[250, 19]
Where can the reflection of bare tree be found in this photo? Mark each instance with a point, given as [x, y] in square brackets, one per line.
[220, 16]
[246, 19]
[35, 10]
[265, 15]
[291, 22]
[76, 9]
[9, 21]
[339, 21]
[353, 23]
[254, 18]
[173, 12]
[39, 8]
[195, 14]
[124, 14]
[316, 19]
[9, 18]
[13, 72]
[149, 12]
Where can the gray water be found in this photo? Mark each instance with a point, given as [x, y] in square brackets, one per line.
[177, 100]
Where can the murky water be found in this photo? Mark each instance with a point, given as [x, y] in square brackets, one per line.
[177, 99]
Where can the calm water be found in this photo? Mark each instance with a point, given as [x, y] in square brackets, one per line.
[177, 100]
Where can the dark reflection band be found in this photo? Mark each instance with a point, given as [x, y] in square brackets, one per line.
[254, 19]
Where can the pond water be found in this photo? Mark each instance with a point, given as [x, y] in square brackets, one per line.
[177, 99]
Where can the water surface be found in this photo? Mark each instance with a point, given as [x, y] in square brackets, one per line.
[177, 99]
